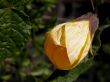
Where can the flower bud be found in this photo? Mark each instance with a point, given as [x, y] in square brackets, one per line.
[67, 44]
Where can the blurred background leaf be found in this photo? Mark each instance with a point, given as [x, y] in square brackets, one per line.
[14, 33]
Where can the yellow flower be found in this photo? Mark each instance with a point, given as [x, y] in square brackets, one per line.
[69, 43]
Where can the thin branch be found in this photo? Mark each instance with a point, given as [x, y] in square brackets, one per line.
[92, 5]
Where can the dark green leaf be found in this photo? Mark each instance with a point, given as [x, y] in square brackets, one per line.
[19, 4]
[72, 75]
[14, 32]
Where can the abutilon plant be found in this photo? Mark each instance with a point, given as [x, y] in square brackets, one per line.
[67, 44]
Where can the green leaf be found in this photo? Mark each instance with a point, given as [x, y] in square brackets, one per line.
[19, 4]
[6, 77]
[72, 75]
[14, 33]
[96, 42]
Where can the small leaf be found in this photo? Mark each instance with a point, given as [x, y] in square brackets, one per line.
[37, 73]
[6, 77]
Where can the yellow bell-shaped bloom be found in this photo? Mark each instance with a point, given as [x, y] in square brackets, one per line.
[69, 43]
